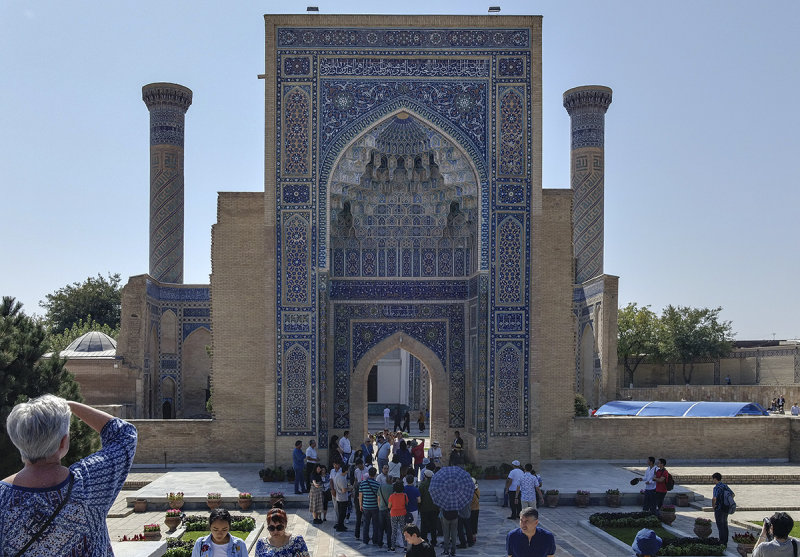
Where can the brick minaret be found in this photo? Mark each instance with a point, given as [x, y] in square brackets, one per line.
[587, 107]
[167, 103]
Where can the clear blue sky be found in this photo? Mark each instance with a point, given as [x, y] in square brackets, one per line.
[702, 138]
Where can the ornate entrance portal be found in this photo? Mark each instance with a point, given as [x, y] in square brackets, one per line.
[404, 191]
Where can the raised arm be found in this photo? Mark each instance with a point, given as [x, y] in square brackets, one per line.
[92, 417]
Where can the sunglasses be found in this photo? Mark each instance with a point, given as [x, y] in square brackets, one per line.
[273, 527]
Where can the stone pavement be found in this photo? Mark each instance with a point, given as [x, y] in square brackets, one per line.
[763, 498]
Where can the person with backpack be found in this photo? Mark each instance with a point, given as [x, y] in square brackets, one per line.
[722, 502]
[664, 483]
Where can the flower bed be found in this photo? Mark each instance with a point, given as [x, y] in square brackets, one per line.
[624, 526]
[199, 523]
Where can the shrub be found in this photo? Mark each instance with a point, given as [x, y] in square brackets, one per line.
[692, 546]
[179, 548]
[581, 408]
[612, 491]
[551, 492]
[745, 537]
[624, 520]
[700, 521]
[173, 512]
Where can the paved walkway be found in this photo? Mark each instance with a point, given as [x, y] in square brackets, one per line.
[763, 497]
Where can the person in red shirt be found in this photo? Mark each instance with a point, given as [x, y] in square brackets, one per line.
[660, 478]
[418, 452]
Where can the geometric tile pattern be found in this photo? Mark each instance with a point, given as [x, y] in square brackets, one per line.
[167, 104]
[391, 143]
[587, 107]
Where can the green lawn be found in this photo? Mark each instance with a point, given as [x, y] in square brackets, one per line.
[795, 533]
[627, 535]
[192, 536]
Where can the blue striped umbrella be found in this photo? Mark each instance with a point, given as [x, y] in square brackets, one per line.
[451, 488]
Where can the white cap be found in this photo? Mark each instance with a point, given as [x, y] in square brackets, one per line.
[515, 462]
[428, 473]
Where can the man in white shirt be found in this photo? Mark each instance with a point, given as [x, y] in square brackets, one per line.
[311, 461]
[512, 486]
[344, 445]
[650, 486]
[777, 527]
[795, 409]
[386, 415]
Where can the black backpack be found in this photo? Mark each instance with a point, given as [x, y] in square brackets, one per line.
[670, 482]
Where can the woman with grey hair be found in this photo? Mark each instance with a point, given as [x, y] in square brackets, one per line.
[49, 509]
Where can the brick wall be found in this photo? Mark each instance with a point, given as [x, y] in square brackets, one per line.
[761, 394]
[685, 438]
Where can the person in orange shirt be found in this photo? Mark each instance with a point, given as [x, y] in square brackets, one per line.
[397, 511]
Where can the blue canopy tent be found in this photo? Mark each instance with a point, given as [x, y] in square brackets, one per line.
[680, 409]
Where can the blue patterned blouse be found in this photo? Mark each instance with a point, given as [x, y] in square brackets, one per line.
[80, 528]
[295, 547]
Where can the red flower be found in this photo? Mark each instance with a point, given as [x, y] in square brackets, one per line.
[205, 547]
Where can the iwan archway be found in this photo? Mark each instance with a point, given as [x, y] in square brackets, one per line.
[402, 200]
[438, 383]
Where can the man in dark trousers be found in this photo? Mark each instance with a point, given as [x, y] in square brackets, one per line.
[720, 509]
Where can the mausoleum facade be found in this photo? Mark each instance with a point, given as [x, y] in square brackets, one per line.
[403, 208]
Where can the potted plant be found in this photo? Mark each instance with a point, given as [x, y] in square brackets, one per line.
[173, 519]
[175, 499]
[702, 527]
[274, 497]
[745, 543]
[140, 506]
[213, 500]
[667, 515]
[265, 474]
[152, 532]
[682, 499]
[582, 498]
[551, 497]
[612, 497]
[245, 500]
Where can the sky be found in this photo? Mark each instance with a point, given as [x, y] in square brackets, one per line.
[701, 191]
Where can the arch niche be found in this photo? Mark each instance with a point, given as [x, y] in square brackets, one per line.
[438, 384]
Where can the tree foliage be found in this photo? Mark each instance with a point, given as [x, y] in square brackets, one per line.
[24, 374]
[692, 334]
[681, 334]
[638, 337]
[97, 298]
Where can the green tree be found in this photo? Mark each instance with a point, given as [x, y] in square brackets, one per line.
[59, 341]
[24, 374]
[99, 297]
[691, 334]
[637, 339]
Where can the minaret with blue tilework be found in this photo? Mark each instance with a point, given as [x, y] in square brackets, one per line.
[167, 103]
[587, 107]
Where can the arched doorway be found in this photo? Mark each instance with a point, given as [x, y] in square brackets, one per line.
[439, 385]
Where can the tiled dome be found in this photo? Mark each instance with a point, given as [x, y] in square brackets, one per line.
[93, 344]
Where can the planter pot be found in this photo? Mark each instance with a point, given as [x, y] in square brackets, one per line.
[581, 500]
[245, 504]
[172, 522]
[667, 517]
[682, 500]
[213, 503]
[175, 503]
[273, 500]
[140, 506]
[745, 549]
[702, 531]
[613, 500]
[152, 536]
[551, 500]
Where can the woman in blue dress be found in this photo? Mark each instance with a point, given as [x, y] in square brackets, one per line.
[220, 539]
[279, 542]
[48, 509]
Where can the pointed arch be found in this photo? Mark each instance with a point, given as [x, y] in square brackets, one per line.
[437, 374]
